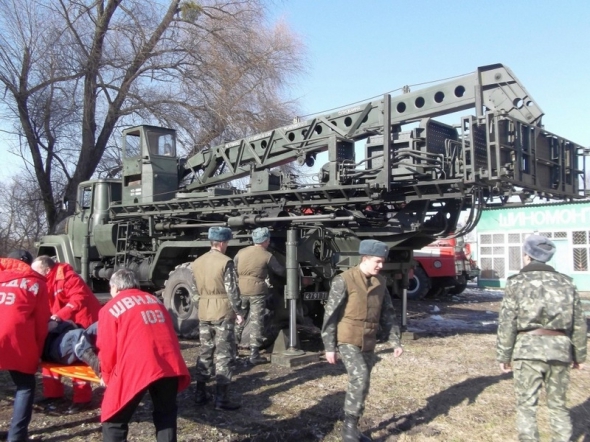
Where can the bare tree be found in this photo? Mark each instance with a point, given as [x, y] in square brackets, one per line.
[22, 219]
[74, 71]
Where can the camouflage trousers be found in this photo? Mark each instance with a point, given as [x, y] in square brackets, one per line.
[358, 366]
[529, 377]
[217, 343]
[255, 306]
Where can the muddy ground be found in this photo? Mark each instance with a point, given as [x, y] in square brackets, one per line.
[445, 387]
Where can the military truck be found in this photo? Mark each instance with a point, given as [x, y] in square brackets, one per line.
[409, 187]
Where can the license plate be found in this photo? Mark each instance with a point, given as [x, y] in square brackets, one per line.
[315, 296]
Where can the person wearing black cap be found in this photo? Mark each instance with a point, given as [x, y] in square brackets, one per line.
[541, 332]
[219, 309]
[21, 255]
[253, 265]
[358, 305]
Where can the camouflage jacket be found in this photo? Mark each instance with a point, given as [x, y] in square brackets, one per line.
[335, 308]
[540, 297]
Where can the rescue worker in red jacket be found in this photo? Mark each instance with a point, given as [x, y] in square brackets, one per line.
[70, 299]
[25, 312]
[138, 352]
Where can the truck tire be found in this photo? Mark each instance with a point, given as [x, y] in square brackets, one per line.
[458, 289]
[419, 285]
[179, 294]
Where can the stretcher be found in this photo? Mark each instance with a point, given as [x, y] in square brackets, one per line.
[77, 371]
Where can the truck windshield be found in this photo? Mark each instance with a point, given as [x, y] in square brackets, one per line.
[161, 144]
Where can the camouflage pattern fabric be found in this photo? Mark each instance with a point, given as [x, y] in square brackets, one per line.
[255, 305]
[217, 342]
[529, 377]
[230, 282]
[540, 298]
[358, 366]
[332, 313]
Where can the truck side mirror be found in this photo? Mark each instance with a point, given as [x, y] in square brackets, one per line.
[65, 203]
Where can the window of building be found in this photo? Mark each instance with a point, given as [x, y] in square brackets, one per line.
[580, 246]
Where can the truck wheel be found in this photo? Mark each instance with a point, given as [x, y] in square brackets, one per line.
[179, 292]
[419, 285]
[458, 289]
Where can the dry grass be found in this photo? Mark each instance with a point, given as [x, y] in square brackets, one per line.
[441, 389]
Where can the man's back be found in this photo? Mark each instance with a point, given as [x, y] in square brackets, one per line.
[137, 345]
[24, 310]
[540, 298]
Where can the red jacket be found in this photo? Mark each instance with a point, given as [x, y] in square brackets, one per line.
[69, 296]
[24, 313]
[137, 345]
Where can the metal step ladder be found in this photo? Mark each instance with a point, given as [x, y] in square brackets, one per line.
[123, 232]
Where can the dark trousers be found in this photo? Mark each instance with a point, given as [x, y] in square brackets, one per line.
[163, 393]
[23, 405]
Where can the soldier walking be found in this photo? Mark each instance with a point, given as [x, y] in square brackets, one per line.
[358, 305]
[253, 264]
[219, 309]
[541, 332]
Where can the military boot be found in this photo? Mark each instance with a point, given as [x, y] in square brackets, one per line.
[221, 400]
[201, 397]
[90, 358]
[350, 431]
[255, 358]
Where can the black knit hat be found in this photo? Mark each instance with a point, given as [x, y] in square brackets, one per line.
[21, 255]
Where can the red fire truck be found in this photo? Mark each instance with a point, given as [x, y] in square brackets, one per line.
[443, 267]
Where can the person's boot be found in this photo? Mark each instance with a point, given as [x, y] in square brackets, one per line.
[350, 431]
[90, 358]
[255, 358]
[221, 400]
[201, 397]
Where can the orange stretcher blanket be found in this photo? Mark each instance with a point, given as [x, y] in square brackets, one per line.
[78, 371]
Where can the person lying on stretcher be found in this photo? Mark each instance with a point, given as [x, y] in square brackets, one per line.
[68, 344]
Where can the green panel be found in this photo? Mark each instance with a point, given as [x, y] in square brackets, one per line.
[533, 218]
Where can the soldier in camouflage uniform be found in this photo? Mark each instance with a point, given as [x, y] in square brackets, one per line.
[219, 309]
[253, 264]
[541, 332]
[358, 305]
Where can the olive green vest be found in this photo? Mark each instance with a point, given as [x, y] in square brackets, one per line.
[209, 270]
[253, 270]
[360, 320]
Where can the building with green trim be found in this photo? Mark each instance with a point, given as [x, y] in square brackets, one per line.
[501, 232]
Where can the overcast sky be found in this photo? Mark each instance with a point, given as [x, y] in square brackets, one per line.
[361, 49]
